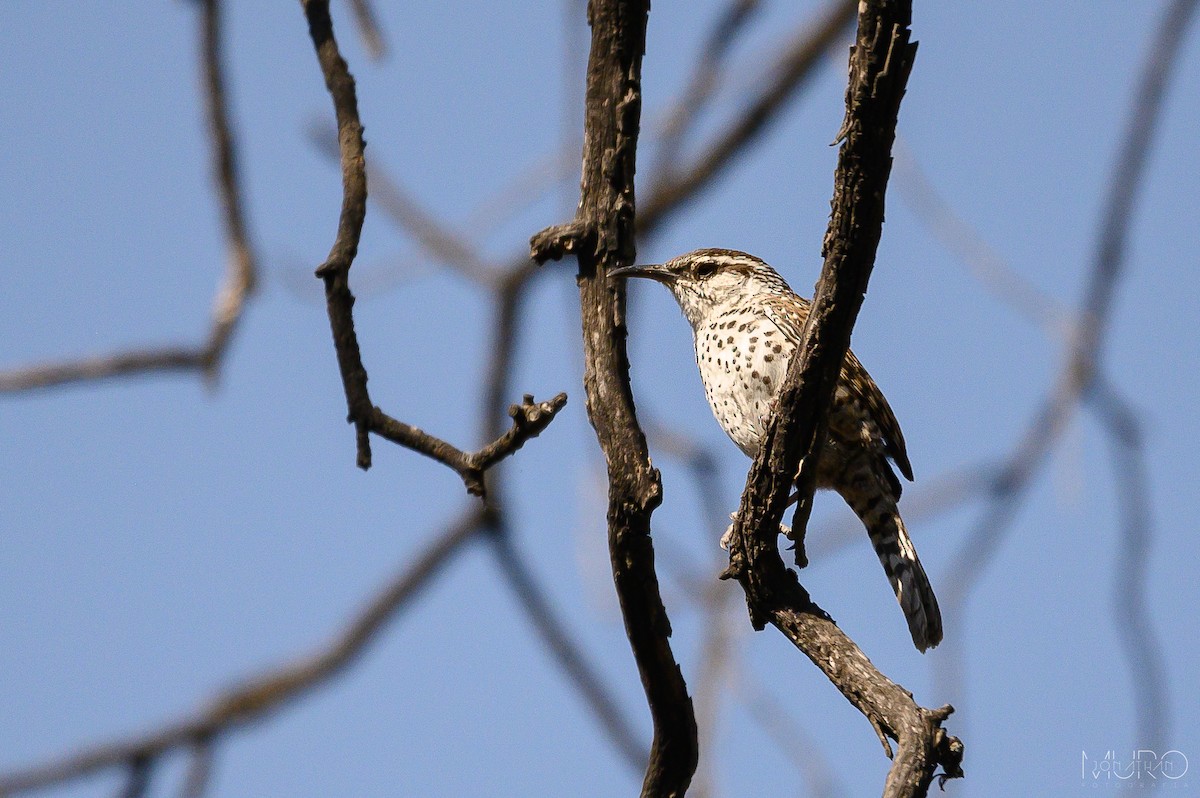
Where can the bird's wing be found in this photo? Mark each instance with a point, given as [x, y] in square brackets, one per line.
[856, 379]
[789, 314]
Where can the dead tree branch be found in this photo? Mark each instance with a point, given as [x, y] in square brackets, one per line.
[579, 671]
[199, 771]
[1132, 618]
[241, 274]
[602, 238]
[529, 418]
[434, 237]
[258, 697]
[964, 241]
[785, 78]
[879, 67]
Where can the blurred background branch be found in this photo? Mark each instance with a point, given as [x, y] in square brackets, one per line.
[717, 118]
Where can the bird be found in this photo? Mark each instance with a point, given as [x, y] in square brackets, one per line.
[747, 323]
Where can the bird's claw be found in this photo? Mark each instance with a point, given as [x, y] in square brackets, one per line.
[727, 538]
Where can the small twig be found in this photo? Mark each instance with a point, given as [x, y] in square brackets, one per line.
[529, 419]
[560, 240]
[137, 780]
[199, 772]
[1134, 623]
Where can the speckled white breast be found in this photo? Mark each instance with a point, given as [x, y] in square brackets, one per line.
[743, 357]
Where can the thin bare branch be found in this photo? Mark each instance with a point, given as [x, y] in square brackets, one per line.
[335, 271]
[966, 243]
[529, 418]
[800, 747]
[1133, 621]
[785, 79]
[435, 237]
[241, 273]
[100, 367]
[199, 772]
[567, 654]
[137, 778]
[1085, 352]
[714, 672]
[260, 696]
[714, 48]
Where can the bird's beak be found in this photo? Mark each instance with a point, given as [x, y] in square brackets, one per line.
[653, 271]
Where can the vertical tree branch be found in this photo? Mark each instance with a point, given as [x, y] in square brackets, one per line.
[335, 271]
[242, 271]
[602, 238]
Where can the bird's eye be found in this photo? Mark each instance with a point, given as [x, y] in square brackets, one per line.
[706, 269]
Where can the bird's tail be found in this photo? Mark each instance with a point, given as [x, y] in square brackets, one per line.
[903, 568]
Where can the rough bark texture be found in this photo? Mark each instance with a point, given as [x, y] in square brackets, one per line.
[879, 66]
[602, 238]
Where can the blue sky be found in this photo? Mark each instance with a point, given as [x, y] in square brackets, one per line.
[159, 540]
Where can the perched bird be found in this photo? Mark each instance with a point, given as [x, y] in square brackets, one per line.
[747, 323]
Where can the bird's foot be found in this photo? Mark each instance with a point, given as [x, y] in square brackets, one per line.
[798, 547]
[727, 538]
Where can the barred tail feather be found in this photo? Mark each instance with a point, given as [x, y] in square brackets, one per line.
[903, 568]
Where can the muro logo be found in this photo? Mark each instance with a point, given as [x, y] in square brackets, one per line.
[1142, 766]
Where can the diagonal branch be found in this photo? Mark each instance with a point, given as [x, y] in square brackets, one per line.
[1084, 355]
[992, 271]
[258, 697]
[241, 272]
[785, 78]
[579, 670]
[879, 67]
[368, 28]
[529, 418]
[705, 77]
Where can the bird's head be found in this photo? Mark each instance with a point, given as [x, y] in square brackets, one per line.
[710, 280]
